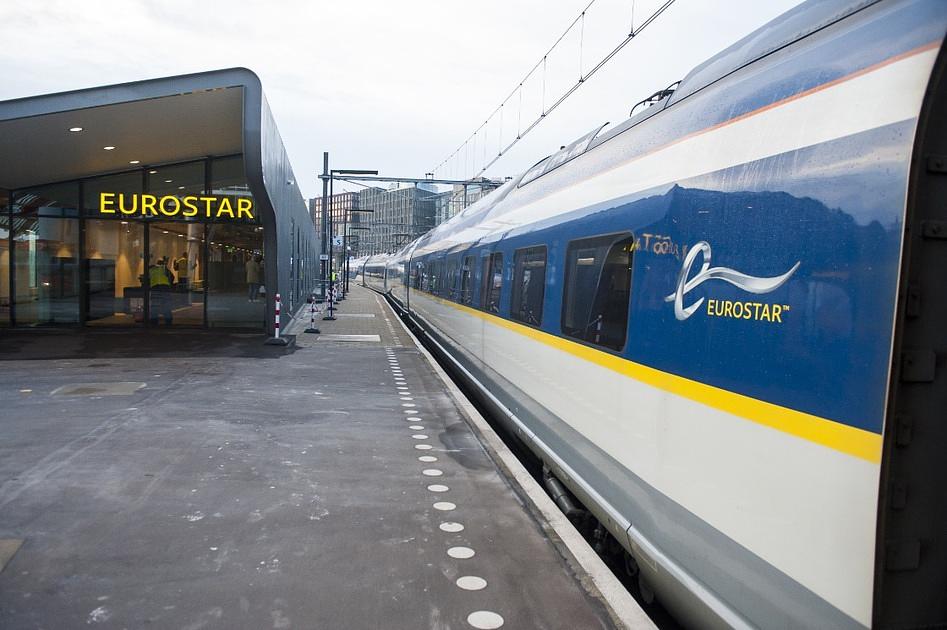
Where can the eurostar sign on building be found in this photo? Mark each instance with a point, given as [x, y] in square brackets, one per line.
[144, 205]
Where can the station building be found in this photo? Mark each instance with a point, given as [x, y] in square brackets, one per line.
[154, 203]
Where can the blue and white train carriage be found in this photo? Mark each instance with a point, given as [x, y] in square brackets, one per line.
[722, 324]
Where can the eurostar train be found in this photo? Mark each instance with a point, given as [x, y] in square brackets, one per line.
[722, 324]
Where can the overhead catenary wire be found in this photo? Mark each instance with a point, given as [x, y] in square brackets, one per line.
[464, 147]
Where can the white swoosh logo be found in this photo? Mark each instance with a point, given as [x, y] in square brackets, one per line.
[751, 284]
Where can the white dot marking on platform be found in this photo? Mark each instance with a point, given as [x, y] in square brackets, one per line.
[410, 411]
[485, 620]
[461, 553]
[437, 487]
[432, 472]
[451, 527]
[427, 459]
[423, 447]
[406, 398]
[416, 427]
[471, 583]
[445, 506]
[419, 436]
[408, 405]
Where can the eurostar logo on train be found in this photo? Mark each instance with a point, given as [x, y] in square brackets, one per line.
[733, 309]
[206, 207]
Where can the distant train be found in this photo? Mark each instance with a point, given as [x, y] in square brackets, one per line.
[722, 324]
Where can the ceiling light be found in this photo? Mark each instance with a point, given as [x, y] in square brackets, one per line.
[134, 161]
[168, 181]
[165, 231]
[152, 172]
[124, 222]
[180, 187]
[108, 148]
[75, 129]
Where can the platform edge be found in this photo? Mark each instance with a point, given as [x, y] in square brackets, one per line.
[596, 578]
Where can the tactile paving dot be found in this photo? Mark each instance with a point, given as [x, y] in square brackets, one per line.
[438, 488]
[461, 553]
[445, 506]
[471, 583]
[451, 527]
[485, 620]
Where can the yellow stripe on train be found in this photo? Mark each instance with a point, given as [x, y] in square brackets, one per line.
[847, 439]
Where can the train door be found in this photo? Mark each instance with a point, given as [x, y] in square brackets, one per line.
[911, 553]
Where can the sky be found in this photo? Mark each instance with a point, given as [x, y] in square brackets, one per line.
[395, 86]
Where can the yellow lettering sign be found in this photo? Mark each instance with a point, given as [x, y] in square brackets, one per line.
[754, 311]
[105, 203]
[173, 206]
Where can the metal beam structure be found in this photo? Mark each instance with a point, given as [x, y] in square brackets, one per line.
[414, 180]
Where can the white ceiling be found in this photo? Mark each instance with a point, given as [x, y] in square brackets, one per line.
[41, 149]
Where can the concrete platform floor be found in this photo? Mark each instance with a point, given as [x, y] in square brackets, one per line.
[243, 486]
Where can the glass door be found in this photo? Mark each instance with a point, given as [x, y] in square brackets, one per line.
[176, 273]
[115, 268]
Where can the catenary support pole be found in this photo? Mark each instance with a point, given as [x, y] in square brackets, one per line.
[325, 222]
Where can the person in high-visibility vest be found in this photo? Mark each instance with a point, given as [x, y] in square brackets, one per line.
[181, 269]
[159, 279]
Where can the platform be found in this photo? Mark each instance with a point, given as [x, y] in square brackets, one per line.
[331, 485]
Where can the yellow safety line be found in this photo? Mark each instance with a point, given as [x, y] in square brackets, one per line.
[835, 435]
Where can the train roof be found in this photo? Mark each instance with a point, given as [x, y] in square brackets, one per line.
[492, 217]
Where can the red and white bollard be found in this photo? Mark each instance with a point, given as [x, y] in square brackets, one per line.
[276, 340]
[276, 322]
[312, 316]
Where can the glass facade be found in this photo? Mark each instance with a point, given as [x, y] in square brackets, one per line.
[46, 255]
[172, 245]
[5, 266]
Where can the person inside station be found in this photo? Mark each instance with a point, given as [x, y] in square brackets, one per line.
[254, 277]
[160, 278]
[181, 271]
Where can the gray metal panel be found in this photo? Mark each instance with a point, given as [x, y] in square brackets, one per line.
[274, 187]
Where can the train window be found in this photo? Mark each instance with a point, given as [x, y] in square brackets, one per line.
[451, 279]
[466, 286]
[597, 289]
[417, 274]
[491, 283]
[529, 282]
